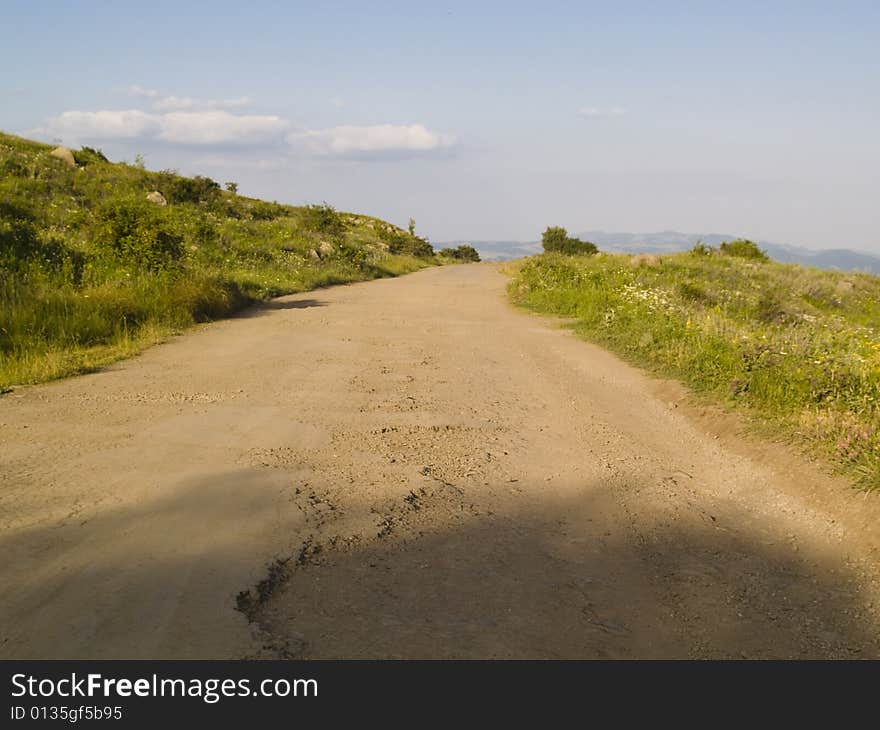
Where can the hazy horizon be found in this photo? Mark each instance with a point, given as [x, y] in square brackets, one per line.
[483, 122]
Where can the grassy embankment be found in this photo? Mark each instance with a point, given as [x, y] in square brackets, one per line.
[91, 271]
[797, 348]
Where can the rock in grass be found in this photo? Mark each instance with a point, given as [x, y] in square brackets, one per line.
[157, 198]
[65, 155]
[325, 249]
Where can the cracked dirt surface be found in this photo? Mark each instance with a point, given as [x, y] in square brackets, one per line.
[412, 468]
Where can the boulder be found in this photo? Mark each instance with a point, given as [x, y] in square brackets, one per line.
[325, 249]
[157, 198]
[314, 255]
[65, 155]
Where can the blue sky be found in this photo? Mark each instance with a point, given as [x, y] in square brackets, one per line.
[480, 120]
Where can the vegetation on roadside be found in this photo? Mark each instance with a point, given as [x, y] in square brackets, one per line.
[797, 347]
[463, 253]
[556, 240]
[98, 260]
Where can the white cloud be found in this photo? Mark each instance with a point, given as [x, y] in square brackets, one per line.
[194, 128]
[217, 123]
[370, 141]
[120, 124]
[217, 127]
[140, 91]
[599, 111]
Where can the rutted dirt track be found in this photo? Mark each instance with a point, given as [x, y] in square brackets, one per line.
[411, 468]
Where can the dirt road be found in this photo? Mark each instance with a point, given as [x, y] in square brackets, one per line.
[412, 468]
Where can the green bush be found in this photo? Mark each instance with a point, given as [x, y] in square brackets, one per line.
[89, 156]
[744, 249]
[461, 253]
[323, 220]
[137, 232]
[556, 240]
[177, 189]
[262, 210]
[402, 243]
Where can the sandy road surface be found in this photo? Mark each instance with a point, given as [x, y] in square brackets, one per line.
[435, 475]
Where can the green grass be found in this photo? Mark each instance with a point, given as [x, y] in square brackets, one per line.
[797, 348]
[90, 271]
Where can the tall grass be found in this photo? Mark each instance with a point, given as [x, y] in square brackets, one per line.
[90, 271]
[797, 348]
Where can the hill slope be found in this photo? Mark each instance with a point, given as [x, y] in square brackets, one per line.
[798, 347]
[91, 270]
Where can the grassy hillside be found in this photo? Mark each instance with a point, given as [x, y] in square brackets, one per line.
[91, 270]
[797, 347]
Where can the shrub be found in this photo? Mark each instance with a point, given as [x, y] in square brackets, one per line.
[576, 247]
[556, 240]
[137, 232]
[89, 156]
[701, 249]
[177, 189]
[461, 253]
[400, 242]
[262, 210]
[553, 238]
[743, 249]
[324, 220]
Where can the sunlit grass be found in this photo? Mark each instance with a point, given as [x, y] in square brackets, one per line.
[91, 272]
[797, 348]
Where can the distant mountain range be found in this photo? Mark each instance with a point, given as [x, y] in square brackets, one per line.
[674, 241]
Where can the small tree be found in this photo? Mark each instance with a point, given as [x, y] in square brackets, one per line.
[744, 249]
[231, 187]
[178, 189]
[556, 240]
[412, 226]
[324, 220]
[461, 253]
